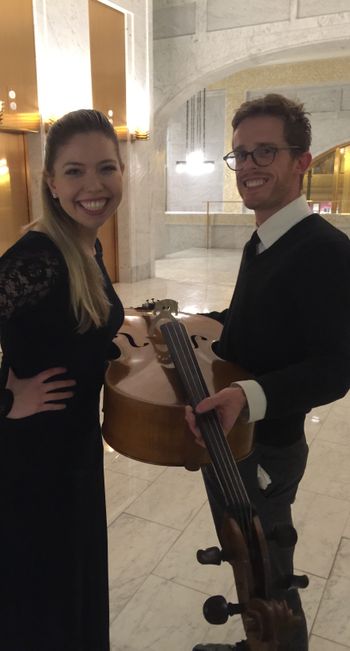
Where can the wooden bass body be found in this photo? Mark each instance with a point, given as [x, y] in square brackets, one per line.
[144, 401]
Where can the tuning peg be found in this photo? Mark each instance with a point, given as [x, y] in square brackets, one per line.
[284, 535]
[210, 556]
[217, 610]
[293, 581]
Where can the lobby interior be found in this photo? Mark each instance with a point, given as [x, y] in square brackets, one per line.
[181, 236]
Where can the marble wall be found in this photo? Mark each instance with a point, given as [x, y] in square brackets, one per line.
[62, 45]
[308, 8]
[229, 231]
[234, 36]
[229, 15]
[174, 21]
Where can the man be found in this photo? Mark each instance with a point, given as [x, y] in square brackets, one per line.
[288, 324]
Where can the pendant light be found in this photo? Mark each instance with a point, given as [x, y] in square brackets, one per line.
[195, 163]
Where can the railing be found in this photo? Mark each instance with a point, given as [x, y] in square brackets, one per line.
[208, 214]
[314, 205]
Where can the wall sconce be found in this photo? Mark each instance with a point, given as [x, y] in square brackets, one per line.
[138, 111]
[139, 135]
[122, 132]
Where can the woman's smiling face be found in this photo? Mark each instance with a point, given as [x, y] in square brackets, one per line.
[87, 179]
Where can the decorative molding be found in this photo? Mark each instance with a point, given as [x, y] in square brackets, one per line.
[169, 22]
[225, 14]
[314, 8]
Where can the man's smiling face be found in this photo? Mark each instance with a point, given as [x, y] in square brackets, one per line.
[267, 189]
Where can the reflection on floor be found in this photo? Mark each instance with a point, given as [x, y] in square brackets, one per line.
[158, 517]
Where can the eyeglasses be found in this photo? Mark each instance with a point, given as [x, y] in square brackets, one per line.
[262, 156]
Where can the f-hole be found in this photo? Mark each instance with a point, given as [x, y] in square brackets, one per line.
[194, 340]
[132, 341]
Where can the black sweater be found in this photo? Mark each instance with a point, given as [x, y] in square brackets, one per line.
[289, 325]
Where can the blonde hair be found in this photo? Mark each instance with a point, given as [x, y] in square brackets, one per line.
[88, 299]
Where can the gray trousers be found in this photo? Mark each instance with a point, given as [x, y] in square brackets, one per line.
[285, 467]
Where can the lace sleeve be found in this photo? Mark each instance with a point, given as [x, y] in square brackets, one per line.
[25, 279]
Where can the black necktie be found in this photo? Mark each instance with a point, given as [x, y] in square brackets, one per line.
[252, 246]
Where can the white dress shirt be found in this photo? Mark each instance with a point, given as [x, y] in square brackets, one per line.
[269, 232]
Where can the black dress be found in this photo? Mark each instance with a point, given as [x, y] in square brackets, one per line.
[53, 534]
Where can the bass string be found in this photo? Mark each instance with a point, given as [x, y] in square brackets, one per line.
[223, 462]
[230, 482]
[195, 382]
[220, 452]
[237, 497]
[200, 392]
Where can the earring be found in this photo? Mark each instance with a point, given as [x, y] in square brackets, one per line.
[54, 195]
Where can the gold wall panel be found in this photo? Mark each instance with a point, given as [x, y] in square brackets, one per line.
[328, 179]
[321, 187]
[14, 201]
[107, 50]
[107, 235]
[18, 66]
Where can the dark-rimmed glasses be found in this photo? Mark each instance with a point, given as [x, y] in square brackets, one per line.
[262, 156]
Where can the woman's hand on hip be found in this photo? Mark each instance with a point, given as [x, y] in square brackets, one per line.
[34, 395]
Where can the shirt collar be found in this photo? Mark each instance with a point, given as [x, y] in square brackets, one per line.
[279, 223]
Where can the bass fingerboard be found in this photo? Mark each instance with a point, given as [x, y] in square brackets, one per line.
[224, 464]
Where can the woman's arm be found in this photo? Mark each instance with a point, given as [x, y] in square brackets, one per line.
[27, 276]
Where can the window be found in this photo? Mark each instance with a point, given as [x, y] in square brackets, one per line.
[327, 182]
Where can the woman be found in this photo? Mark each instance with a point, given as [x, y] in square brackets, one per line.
[58, 316]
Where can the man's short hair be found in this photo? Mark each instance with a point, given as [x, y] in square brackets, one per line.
[297, 127]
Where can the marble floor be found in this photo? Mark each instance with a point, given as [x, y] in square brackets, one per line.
[158, 517]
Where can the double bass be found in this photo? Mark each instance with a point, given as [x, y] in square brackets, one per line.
[267, 622]
[144, 400]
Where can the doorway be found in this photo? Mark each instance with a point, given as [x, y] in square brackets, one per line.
[14, 198]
